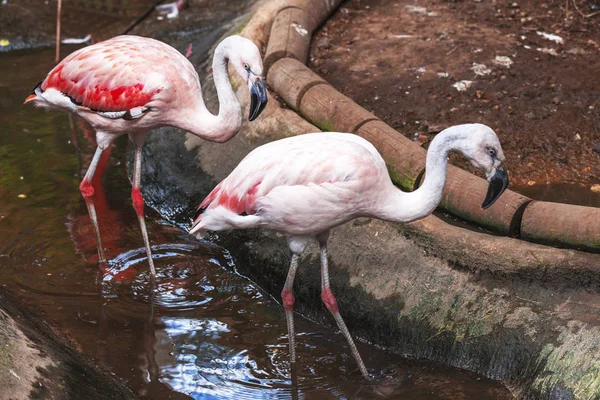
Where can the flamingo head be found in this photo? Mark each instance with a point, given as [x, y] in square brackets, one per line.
[484, 151]
[247, 62]
[481, 146]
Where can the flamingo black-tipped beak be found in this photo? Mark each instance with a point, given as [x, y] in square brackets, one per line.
[498, 184]
[258, 99]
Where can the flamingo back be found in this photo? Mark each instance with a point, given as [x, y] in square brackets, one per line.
[121, 73]
[305, 181]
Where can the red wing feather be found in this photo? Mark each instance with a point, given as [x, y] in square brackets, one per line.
[99, 96]
[115, 75]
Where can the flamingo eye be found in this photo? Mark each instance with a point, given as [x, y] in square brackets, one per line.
[246, 67]
[492, 152]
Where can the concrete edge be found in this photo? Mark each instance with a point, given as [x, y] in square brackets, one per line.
[291, 30]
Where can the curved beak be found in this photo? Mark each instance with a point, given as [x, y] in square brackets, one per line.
[258, 98]
[498, 184]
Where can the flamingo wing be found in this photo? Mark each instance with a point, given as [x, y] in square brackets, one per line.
[117, 75]
[318, 163]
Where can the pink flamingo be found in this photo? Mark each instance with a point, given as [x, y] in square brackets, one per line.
[304, 186]
[131, 84]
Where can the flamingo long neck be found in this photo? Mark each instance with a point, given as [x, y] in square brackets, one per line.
[405, 207]
[227, 122]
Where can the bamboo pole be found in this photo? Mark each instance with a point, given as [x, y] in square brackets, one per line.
[58, 9]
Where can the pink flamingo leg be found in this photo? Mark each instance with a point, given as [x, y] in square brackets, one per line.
[138, 205]
[331, 304]
[287, 297]
[87, 191]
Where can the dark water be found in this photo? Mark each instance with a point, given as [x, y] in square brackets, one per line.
[203, 332]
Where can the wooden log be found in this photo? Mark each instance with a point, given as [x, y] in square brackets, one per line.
[292, 79]
[464, 193]
[290, 36]
[405, 160]
[330, 110]
[320, 10]
[563, 224]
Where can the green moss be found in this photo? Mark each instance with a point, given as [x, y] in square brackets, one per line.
[5, 350]
[401, 178]
[326, 125]
[573, 364]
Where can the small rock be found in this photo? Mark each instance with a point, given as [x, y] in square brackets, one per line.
[531, 183]
[422, 139]
[551, 37]
[480, 69]
[479, 94]
[503, 61]
[577, 137]
[556, 100]
[22, 196]
[462, 86]
[416, 9]
[323, 43]
[595, 188]
[596, 148]
[433, 128]
[546, 50]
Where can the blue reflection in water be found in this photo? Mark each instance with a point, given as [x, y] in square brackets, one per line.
[205, 367]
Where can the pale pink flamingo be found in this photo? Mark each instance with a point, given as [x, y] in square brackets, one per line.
[131, 84]
[304, 186]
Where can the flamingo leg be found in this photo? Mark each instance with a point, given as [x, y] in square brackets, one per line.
[87, 191]
[138, 204]
[287, 297]
[331, 304]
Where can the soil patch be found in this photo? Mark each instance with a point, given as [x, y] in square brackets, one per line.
[521, 68]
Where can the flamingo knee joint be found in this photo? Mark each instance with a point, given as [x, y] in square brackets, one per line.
[138, 201]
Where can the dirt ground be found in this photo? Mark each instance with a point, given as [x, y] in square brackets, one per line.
[400, 60]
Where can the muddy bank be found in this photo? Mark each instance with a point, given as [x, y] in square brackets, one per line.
[35, 363]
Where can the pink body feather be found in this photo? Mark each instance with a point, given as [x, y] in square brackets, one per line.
[122, 73]
[299, 186]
